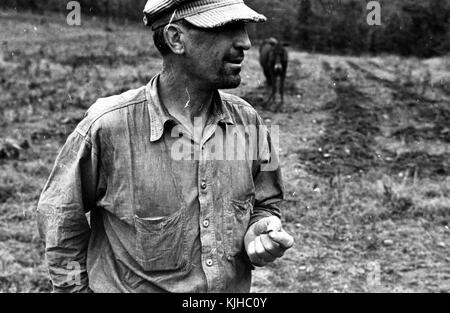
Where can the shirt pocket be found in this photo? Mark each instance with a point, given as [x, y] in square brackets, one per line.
[237, 218]
[161, 242]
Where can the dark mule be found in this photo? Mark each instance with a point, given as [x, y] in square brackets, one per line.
[273, 58]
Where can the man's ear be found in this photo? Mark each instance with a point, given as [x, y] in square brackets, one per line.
[174, 37]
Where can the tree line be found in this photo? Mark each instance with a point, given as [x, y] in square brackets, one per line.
[420, 28]
[409, 27]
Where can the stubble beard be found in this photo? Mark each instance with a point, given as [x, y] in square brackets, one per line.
[228, 78]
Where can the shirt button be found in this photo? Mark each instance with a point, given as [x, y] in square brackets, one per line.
[209, 262]
[205, 223]
[203, 184]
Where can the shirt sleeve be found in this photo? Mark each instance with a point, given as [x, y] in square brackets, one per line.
[269, 190]
[63, 226]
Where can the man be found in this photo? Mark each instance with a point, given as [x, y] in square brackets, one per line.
[162, 219]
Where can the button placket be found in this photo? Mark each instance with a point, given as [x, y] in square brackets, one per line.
[211, 266]
[207, 232]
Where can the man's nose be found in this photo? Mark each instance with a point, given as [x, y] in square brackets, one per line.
[242, 40]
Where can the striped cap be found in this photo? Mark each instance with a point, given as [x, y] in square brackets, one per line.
[200, 13]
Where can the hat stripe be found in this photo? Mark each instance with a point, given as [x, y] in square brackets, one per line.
[218, 18]
[200, 6]
[206, 13]
[160, 5]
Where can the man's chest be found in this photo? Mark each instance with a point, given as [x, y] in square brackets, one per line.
[157, 178]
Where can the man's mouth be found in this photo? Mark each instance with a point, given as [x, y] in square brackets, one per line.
[234, 64]
[235, 61]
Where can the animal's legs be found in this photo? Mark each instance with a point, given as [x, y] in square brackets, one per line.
[269, 100]
[281, 91]
[275, 89]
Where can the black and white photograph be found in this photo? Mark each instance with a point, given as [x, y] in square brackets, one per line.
[225, 147]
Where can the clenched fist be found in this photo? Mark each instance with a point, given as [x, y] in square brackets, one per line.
[266, 241]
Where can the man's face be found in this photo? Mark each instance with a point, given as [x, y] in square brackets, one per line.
[214, 56]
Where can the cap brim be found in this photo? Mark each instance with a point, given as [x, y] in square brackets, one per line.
[221, 16]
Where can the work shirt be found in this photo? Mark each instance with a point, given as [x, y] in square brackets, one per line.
[166, 213]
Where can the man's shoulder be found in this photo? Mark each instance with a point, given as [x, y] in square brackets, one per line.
[109, 108]
[233, 100]
[238, 106]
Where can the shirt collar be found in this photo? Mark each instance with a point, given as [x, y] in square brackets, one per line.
[224, 115]
[159, 114]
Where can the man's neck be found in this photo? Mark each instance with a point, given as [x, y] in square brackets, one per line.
[183, 98]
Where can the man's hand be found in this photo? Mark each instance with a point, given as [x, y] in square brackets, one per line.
[266, 241]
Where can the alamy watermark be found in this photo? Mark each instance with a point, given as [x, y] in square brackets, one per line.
[374, 16]
[74, 16]
[74, 274]
[374, 274]
[236, 143]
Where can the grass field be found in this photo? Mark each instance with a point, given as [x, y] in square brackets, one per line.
[364, 147]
